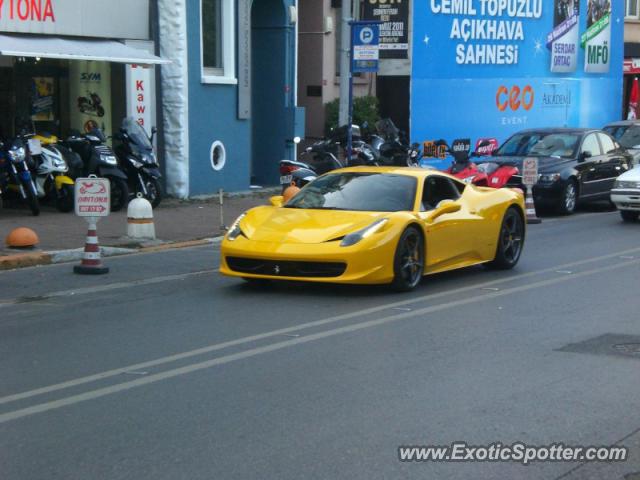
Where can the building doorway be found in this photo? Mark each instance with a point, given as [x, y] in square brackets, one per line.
[271, 95]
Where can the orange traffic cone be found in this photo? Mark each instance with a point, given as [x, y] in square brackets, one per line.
[530, 208]
[91, 262]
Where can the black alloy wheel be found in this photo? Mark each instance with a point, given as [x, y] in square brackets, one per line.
[64, 198]
[119, 194]
[408, 264]
[510, 241]
[569, 198]
[154, 191]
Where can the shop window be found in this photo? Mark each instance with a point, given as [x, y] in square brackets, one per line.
[631, 8]
[217, 20]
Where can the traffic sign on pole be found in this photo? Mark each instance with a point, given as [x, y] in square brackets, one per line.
[529, 179]
[92, 201]
[530, 171]
[365, 48]
[92, 197]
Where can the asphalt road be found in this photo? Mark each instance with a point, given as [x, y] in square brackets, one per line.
[165, 370]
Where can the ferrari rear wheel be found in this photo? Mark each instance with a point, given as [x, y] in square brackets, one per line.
[510, 241]
[408, 263]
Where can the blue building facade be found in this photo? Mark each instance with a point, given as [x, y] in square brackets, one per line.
[485, 69]
[232, 120]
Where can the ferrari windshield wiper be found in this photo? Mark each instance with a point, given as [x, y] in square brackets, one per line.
[328, 208]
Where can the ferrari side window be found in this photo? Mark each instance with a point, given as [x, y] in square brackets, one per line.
[436, 189]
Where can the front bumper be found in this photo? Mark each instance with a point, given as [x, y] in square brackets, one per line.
[370, 261]
[627, 199]
[543, 193]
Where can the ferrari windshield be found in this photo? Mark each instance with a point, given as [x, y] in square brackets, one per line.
[627, 135]
[370, 192]
[540, 144]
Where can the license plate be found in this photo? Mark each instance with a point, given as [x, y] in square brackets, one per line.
[285, 179]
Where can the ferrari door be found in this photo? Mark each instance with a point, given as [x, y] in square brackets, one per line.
[450, 230]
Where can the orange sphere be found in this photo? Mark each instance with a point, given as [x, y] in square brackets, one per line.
[22, 237]
[289, 193]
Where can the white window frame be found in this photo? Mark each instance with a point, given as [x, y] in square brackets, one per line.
[626, 10]
[228, 75]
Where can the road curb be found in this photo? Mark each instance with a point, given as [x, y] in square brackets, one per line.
[33, 259]
[21, 260]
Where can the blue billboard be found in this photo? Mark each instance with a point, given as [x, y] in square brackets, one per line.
[488, 68]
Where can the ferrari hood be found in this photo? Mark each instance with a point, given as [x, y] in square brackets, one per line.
[545, 164]
[296, 225]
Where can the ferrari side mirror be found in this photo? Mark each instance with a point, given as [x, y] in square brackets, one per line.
[444, 207]
[276, 200]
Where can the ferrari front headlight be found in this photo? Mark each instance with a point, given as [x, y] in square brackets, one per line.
[355, 237]
[234, 230]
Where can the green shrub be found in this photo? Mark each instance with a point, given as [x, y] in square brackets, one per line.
[365, 109]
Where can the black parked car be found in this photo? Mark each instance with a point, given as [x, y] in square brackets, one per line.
[574, 164]
[627, 133]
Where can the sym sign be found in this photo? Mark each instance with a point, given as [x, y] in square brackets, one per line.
[488, 68]
[124, 19]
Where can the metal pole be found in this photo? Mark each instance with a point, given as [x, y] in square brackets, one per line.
[221, 200]
[345, 48]
[350, 103]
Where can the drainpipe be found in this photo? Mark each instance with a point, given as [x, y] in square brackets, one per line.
[172, 25]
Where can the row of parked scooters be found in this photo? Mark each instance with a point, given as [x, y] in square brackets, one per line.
[385, 146]
[388, 146]
[41, 167]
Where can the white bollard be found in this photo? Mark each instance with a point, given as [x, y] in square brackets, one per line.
[140, 219]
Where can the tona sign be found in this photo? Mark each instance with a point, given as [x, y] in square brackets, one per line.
[92, 197]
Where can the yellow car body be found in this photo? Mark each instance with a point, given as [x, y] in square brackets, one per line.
[305, 244]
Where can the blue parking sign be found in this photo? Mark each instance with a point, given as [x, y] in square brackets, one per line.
[365, 46]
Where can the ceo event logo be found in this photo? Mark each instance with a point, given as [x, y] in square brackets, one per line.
[515, 98]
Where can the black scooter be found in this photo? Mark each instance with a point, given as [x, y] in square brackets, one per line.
[99, 159]
[137, 158]
[392, 146]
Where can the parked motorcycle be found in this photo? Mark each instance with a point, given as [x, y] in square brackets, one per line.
[91, 104]
[392, 145]
[323, 156]
[99, 159]
[138, 160]
[484, 174]
[52, 181]
[14, 167]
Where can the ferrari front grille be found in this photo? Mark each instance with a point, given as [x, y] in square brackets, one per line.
[286, 268]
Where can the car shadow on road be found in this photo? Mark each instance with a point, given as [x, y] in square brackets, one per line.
[436, 283]
[585, 208]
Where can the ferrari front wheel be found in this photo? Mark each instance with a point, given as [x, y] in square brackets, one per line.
[510, 241]
[408, 262]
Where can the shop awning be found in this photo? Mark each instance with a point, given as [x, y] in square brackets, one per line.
[74, 49]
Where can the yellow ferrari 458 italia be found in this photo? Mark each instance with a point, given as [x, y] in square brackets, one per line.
[376, 225]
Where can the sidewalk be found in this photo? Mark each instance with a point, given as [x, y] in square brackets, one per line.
[175, 221]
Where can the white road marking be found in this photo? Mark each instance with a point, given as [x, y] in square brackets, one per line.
[101, 392]
[105, 288]
[287, 330]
